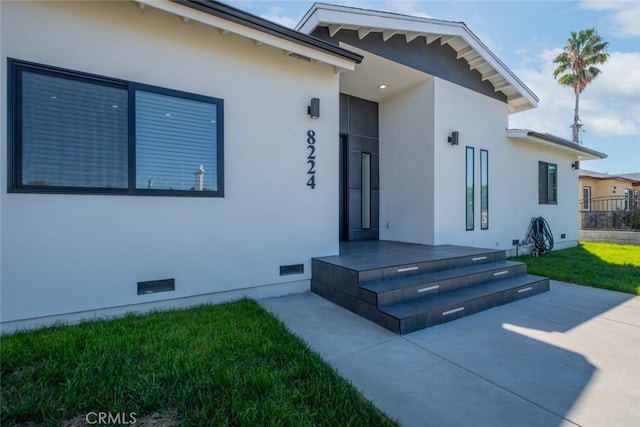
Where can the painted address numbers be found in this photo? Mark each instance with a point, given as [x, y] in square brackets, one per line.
[311, 158]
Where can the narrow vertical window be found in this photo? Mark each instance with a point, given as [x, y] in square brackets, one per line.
[484, 189]
[366, 190]
[586, 198]
[552, 190]
[470, 184]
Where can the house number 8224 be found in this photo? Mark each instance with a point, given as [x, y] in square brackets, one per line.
[311, 158]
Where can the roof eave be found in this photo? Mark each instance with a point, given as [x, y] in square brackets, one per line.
[231, 20]
[519, 96]
[582, 153]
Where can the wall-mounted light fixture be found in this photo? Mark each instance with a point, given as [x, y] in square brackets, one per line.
[575, 165]
[453, 139]
[314, 108]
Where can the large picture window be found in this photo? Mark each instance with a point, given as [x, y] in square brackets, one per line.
[77, 133]
[547, 183]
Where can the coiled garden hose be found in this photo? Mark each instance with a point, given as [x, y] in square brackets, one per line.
[540, 236]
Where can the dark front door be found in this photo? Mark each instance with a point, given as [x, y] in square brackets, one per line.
[359, 188]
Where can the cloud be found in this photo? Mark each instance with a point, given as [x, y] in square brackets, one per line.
[608, 106]
[625, 15]
[620, 76]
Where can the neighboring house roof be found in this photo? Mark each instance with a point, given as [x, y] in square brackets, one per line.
[455, 34]
[631, 177]
[634, 178]
[581, 152]
[230, 20]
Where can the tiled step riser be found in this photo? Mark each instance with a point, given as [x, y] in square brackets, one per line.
[356, 305]
[453, 312]
[415, 269]
[344, 278]
[442, 286]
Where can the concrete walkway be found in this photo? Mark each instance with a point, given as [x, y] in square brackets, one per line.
[570, 356]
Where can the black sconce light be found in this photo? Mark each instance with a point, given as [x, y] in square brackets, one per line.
[314, 109]
[453, 139]
[575, 165]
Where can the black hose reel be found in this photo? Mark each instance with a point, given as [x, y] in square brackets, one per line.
[540, 236]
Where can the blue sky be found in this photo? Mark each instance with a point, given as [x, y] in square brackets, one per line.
[526, 36]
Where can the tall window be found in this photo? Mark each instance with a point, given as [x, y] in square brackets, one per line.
[547, 183]
[77, 133]
[484, 189]
[586, 198]
[470, 190]
[366, 190]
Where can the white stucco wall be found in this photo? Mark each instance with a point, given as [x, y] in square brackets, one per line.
[71, 253]
[407, 165]
[513, 175]
[422, 176]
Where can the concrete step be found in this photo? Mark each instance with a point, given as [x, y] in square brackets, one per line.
[430, 266]
[436, 283]
[432, 310]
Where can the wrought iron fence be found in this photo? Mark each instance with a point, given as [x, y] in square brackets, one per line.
[610, 213]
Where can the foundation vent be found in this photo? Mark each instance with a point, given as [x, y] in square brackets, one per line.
[154, 286]
[286, 270]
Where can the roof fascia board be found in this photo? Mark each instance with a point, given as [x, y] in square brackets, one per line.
[221, 18]
[603, 176]
[557, 142]
[322, 14]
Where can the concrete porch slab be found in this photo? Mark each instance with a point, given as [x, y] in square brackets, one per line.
[565, 357]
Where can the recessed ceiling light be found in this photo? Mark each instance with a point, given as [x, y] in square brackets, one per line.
[382, 86]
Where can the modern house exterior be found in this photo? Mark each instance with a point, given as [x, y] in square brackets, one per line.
[167, 153]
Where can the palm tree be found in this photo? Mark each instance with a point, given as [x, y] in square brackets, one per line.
[583, 52]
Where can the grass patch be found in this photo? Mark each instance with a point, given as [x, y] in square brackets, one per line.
[230, 364]
[602, 265]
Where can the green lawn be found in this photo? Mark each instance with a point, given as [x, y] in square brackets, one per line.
[602, 265]
[231, 364]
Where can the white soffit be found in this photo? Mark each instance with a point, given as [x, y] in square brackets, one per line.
[364, 82]
[456, 34]
[188, 14]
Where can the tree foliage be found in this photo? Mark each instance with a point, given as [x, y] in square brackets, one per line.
[576, 66]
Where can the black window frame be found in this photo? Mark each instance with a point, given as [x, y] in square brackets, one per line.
[470, 190]
[15, 67]
[484, 189]
[543, 183]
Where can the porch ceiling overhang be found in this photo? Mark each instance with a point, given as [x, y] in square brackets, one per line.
[455, 34]
[229, 20]
[579, 151]
[364, 82]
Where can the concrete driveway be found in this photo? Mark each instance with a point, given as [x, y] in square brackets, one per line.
[570, 356]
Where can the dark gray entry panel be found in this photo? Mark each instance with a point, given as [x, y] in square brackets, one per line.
[359, 176]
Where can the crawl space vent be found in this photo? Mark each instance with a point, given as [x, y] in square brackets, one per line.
[153, 286]
[286, 270]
